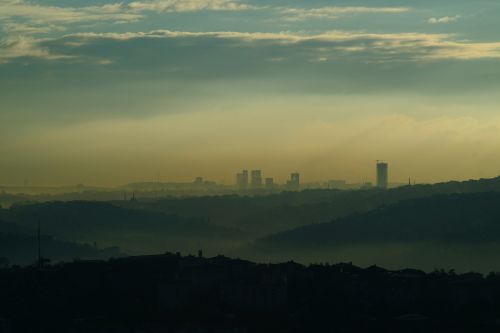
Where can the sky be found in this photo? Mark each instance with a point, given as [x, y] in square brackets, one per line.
[106, 93]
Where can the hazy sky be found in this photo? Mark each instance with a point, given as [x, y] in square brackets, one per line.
[105, 93]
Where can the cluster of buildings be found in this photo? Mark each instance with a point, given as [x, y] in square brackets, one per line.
[253, 181]
[256, 182]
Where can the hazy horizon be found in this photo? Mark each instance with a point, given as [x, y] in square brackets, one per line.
[107, 93]
[278, 181]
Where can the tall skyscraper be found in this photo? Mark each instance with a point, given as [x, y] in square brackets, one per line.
[382, 174]
[294, 182]
[242, 180]
[256, 179]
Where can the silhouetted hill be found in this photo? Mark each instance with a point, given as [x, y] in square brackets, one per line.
[213, 223]
[261, 215]
[427, 231]
[447, 218]
[19, 245]
[171, 293]
[135, 231]
[13, 228]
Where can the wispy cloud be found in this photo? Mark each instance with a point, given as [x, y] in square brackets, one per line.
[299, 14]
[25, 47]
[188, 5]
[39, 15]
[444, 19]
[13, 28]
[465, 50]
[22, 17]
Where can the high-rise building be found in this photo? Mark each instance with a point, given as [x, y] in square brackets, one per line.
[269, 183]
[256, 179]
[242, 180]
[294, 182]
[382, 174]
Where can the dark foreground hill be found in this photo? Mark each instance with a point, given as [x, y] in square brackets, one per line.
[170, 293]
[457, 230]
[134, 231]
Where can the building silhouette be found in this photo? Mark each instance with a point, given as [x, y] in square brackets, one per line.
[269, 183]
[242, 180]
[294, 182]
[256, 179]
[382, 174]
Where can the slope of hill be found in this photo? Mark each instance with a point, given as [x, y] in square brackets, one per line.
[460, 230]
[19, 245]
[134, 231]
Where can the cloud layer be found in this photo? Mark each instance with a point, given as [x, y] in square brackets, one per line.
[332, 45]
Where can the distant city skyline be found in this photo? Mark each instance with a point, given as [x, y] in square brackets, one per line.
[258, 179]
